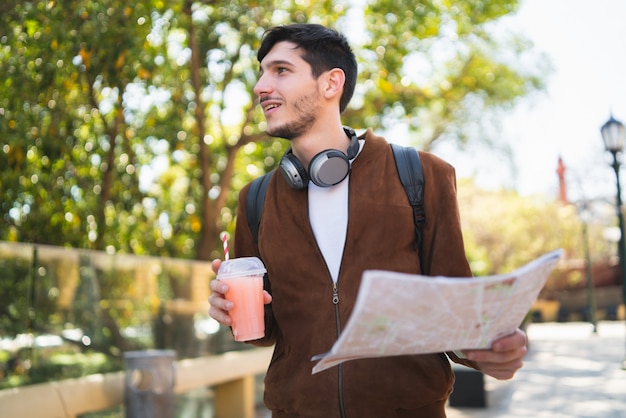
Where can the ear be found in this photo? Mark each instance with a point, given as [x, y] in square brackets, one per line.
[334, 82]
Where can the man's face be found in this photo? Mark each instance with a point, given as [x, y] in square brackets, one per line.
[287, 92]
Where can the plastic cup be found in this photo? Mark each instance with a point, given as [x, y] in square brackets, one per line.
[244, 277]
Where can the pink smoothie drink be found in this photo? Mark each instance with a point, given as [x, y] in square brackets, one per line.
[244, 277]
[246, 293]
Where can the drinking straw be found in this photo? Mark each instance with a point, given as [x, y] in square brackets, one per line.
[224, 237]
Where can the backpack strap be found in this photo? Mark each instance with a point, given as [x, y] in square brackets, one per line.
[254, 208]
[411, 175]
[254, 203]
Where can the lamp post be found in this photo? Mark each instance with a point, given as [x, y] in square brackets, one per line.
[613, 135]
[584, 213]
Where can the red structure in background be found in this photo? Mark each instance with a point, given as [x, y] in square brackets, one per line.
[568, 285]
[560, 171]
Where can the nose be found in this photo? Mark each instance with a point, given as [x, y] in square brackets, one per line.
[262, 87]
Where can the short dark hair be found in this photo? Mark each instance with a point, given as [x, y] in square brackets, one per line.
[324, 49]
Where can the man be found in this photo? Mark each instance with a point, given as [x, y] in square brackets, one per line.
[320, 231]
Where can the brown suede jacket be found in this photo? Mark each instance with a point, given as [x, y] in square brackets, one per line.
[302, 321]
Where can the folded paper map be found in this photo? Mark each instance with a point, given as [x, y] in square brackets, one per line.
[397, 314]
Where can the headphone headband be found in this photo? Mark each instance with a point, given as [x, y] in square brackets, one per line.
[353, 148]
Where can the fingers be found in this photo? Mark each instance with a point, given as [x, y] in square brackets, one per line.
[215, 265]
[219, 305]
[510, 342]
[501, 371]
[502, 366]
[493, 356]
[220, 316]
[218, 287]
[502, 349]
[504, 358]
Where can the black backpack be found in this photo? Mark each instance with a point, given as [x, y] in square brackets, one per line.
[411, 176]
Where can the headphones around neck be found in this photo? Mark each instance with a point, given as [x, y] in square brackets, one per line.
[326, 168]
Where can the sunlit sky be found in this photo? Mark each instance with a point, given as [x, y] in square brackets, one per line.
[587, 44]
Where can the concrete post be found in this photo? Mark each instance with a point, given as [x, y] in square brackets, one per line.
[149, 384]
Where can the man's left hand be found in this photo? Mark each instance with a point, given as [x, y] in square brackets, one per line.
[504, 358]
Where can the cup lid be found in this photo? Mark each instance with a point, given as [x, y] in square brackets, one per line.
[242, 266]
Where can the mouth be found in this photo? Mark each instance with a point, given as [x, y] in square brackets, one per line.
[269, 105]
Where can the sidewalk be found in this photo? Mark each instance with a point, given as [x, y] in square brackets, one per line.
[569, 372]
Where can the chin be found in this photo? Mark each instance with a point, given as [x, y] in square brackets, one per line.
[280, 132]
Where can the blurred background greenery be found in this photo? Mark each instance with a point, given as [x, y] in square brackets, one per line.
[126, 131]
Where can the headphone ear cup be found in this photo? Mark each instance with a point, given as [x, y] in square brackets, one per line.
[293, 171]
[328, 168]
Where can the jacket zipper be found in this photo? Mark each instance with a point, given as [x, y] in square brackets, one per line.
[342, 410]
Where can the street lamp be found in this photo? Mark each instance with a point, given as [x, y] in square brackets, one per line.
[585, 214]
[613, 135]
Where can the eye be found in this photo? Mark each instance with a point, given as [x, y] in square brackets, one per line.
[281, 70]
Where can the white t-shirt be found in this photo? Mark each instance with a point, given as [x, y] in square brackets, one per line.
[328, 214]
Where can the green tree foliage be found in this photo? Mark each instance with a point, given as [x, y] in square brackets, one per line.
[209, 69]
[504, 230]
[71, 177]
[443, 68]
[130, 128]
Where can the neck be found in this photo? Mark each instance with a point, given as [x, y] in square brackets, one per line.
[318, 139]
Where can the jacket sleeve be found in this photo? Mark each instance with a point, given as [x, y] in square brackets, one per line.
[245, 246]
[444, 248]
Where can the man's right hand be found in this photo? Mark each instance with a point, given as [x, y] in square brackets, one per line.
[219, 305]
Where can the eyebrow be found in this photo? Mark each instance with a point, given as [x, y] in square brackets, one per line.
[276, 63]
